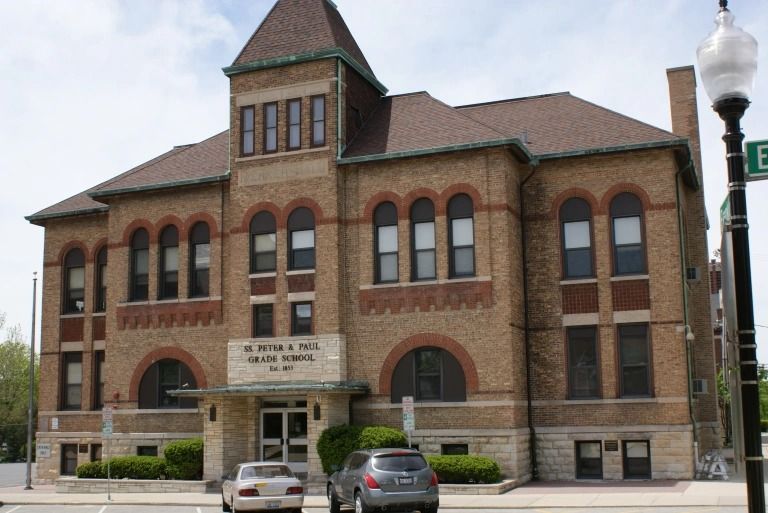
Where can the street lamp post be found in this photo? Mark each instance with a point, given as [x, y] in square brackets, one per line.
[728, 64]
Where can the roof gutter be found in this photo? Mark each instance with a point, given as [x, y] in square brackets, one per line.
[522, 151]
[614, 149]
[163, 185]
[36, 218]
[307, 57]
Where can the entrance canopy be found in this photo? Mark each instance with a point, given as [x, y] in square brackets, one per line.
[279, 388]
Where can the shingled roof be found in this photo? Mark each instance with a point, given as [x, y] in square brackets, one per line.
[296, 27]
[562, 123]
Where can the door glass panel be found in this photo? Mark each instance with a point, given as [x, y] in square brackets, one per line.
[273, 453]
[273, 425]
[297, 425]
[637, 449]
[297, 453]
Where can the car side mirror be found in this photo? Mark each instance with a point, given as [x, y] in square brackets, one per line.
[335, 468]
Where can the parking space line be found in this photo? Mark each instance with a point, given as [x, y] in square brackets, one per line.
[199, 510]
[102, 509]
[13, 509]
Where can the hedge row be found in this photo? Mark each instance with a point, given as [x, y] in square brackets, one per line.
[183, 460]
[336, 442]
[465, 469]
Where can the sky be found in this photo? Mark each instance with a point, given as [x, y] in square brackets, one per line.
[89, 89]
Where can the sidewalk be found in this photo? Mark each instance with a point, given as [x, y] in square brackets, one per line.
[531, 495]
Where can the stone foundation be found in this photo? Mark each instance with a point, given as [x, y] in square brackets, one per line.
[74, 485]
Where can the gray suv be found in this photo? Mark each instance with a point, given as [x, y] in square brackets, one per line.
[384, 480]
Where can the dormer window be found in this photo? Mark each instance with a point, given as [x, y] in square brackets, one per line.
[270, 127]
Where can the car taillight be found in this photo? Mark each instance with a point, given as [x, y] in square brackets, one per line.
[294, 490]
[248, 492]
[433, 482]
[371, 482]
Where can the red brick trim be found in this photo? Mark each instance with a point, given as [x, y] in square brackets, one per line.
[245, 224]
[301, 202]
[135, 225]
[213, 228]
[101, 243]
[463, 188]
[175, 353]
[574, 192]
[423, 192]
[379, 198]
[605, 202]
[72, 245]
[171, 219]
[428, 340]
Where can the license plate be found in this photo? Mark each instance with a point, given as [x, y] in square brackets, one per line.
[405, 480]
[273, 505]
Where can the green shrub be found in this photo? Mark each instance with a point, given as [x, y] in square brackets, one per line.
[764, 425]
[136, 467]
[184, 459]
[465, 469]
[336, 442]
[92, 470]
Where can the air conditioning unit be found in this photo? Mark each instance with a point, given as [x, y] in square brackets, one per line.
[699, 386]
[692, 274]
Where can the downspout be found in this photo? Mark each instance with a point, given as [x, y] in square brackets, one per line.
[686, 326]
[531, 428]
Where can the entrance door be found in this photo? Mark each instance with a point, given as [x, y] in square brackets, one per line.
[284, 437]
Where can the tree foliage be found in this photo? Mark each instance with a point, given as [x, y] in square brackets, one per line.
[14, 390]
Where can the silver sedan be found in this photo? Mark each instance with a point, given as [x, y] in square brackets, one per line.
[258, 486]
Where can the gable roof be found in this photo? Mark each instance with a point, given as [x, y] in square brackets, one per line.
[417, 123]
[297, 27]
[562, 123]
[203, 162]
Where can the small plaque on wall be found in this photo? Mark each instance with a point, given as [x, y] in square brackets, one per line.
[611, 445]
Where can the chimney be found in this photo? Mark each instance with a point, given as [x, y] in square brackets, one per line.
[682, 102]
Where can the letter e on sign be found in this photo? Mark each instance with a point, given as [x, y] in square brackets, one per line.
[757, 160]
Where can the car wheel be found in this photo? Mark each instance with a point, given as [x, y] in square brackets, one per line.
[224, 505]
[333, 502]
[360, 505]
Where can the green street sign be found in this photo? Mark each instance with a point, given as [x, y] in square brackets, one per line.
[725, 212]
[757, 160]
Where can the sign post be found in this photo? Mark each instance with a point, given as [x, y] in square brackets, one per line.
[106, 434]
[409, 421]
[757, 160]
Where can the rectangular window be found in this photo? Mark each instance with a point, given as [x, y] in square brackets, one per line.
[264, 252]
[454, 449]
[628, 242]
[634, 355]
[98, 380]
[318, 120]
[637, 459]
[263, 321]
[582, 363]
[76, 288]
[303, 249]
[428, 375]
[169, 379]
[589, 460]
[270, 127]
[424, 249]
[170, 272]
[140, 275]
[72, 380]
[146, 450]
[386, 241]
[247, 115]
[294, 124]
[68, 459]
[96, 452]
[462, 239]
[578, 253]
[301, 319]
[201, 260]
[101, 288]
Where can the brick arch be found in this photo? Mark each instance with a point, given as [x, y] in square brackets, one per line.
[428, 340]
[574, 192]
[462, 188]
[135, 225]
[297, 203]
[70, 246]
[245, 223]
[162, 353]
[168, 220]
[419, 193]
[101, 243]
[605, 202]
[382, 197]
[213, 228]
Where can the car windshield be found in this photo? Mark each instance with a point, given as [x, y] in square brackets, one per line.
[399, 462]
[265, 472]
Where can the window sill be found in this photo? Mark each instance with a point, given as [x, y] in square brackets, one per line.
[580, 281]
[263, 299]
[118, 411]
[268, 274]
[72, 315]
[424, 283]
[170, 301]
[282, 154]
[99, 314]
[594, 402]
[630, 277]
[296, 272]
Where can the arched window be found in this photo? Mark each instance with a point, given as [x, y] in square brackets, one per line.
[74, 281]
[199, 260]
[101, 280]
[263, 243]
[576, 234]
[627, 224]
[168, 288]
[429, 374]
[385, 242]
[461, 236]
[301, 239]
[139, 265]
[423, 240]
[162, 377]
